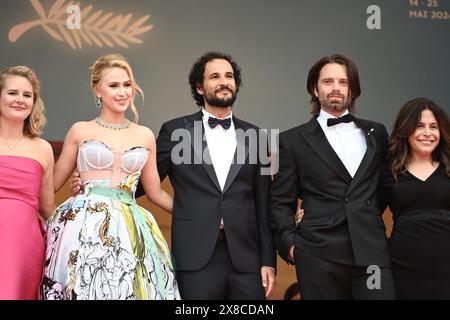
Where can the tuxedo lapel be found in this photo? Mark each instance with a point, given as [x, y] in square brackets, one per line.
[201, 151]
[242, 145]
[371, 142]
[315, 137]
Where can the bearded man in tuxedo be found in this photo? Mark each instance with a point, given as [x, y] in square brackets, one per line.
[331, 163]
[221, 240]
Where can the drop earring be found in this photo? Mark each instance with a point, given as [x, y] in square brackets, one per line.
[98, 102]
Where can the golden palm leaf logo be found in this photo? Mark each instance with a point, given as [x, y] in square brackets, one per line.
[98, 28]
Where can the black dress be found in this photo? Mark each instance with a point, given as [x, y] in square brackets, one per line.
[420, 240]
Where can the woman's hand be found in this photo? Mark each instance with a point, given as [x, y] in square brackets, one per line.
[75, 183]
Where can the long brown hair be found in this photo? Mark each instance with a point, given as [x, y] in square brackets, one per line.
[35, 122]
[399, 150]
[354, 88]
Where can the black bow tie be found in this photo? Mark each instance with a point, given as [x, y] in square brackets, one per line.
[347, 118]
[225, 123]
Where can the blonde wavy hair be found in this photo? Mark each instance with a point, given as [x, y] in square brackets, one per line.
[35, 122]
[115, 60]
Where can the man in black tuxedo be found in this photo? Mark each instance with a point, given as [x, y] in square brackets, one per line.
[332, 162]
[221, 239]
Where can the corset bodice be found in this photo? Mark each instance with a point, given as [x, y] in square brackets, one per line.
[98, 161]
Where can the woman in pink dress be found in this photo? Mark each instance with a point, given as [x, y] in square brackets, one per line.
[26, 184]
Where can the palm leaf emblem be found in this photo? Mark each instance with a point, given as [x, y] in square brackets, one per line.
[97, 28]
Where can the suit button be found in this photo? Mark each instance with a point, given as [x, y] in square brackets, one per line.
[346, 200]
[221, 197]
[367, 201]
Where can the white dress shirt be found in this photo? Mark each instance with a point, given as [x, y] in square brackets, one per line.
[222, 146]
[346, 139]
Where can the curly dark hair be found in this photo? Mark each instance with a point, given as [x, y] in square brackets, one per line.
[354, 89]
[406, 124]
[197, 73]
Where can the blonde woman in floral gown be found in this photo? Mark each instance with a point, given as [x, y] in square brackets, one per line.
[101, 244]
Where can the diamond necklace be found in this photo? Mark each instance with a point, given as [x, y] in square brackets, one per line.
[114, 126]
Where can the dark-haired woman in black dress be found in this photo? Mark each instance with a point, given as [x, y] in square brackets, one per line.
[416, 182]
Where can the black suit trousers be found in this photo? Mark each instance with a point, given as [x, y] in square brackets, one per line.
[219, 280]
[324, 280]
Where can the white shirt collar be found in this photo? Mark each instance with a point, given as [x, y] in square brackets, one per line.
[207, 115]
[324, 116]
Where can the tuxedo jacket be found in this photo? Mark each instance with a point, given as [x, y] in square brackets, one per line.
[199, 202]
[342, 215]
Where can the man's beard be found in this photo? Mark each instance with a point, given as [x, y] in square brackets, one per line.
[335, 105]
[215, 101]
[221, 103]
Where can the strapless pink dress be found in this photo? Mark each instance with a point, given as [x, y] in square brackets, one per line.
[22, 243]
